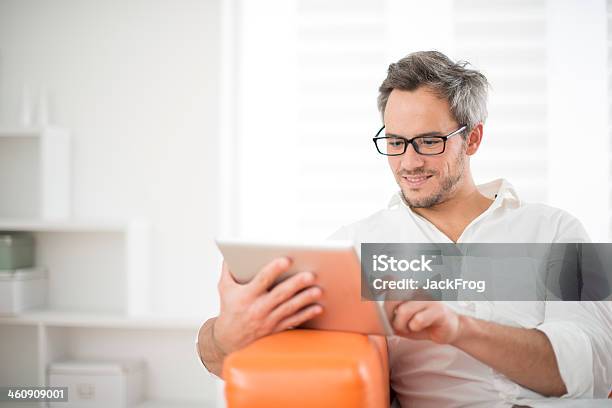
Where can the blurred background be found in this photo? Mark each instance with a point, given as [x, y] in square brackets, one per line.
[132, 133]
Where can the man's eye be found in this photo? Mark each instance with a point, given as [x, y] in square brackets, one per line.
[395, 143]
[430, 142]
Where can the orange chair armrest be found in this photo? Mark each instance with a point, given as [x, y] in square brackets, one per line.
[309, 368]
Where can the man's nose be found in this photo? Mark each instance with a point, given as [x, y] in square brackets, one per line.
[411, 159]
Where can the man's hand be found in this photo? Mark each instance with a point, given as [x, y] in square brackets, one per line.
[254, 310]
[524, 355]
[426, 320]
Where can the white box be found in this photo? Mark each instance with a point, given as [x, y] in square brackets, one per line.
[98, 384]
[22, 289]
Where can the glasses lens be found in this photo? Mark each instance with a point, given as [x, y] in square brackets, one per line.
[429, 145]
[391, 145]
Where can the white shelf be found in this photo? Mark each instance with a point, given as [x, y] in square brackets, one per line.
[37, 225]
[108, 260]
[59, 318]
[21, 131]
[28, 131]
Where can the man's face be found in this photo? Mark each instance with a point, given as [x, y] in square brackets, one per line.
[425, 181]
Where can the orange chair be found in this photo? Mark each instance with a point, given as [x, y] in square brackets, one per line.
[309, 368]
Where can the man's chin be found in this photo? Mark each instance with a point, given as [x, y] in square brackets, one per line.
[419, 200]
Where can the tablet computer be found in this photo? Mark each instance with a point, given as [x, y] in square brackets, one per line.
[337, 268]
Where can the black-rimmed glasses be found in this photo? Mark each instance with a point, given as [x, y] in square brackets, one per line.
[425, 145]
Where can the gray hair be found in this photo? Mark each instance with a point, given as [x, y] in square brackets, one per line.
[465, 89]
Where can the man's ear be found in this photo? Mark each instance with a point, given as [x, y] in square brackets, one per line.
[474, 139]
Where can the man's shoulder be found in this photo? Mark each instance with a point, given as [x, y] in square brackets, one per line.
[524, 210]
[544, 211]
[559, 223]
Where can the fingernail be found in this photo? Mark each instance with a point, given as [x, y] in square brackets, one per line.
[308, 276]
[317, 309]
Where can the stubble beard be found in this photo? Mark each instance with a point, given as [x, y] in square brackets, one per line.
[448, 185]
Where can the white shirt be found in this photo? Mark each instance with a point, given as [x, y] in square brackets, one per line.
[427, 374]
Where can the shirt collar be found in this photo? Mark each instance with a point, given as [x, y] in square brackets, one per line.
[499, 190]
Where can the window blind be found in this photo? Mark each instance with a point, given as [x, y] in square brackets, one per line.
[506, 40]
[341, 57]
[341, 63]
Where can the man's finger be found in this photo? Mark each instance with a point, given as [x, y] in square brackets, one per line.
[389, 307]
[404, 312]
[287, 289]
[423, 319]
[299, 317]
[297, 302]
[268, 275]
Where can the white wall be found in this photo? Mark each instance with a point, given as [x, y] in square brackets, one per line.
[137, 83]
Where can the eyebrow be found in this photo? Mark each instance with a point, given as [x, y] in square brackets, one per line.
[419, 135]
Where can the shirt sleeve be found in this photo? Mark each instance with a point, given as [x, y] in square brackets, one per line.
[572, 348]
[580, 333]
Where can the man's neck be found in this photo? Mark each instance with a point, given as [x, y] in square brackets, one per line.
[452, 216]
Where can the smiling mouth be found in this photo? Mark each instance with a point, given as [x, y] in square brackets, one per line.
[416, 181]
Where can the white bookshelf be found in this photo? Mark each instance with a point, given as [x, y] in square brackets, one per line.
[99, 284]
[106, 260]
[24, 224]
[174, 377]
[60, 318]
[35, 172]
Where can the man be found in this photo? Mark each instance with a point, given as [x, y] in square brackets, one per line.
[445, 353]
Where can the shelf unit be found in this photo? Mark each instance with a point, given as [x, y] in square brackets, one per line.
[107, 261]
[174, 376]
[99, 284]
[61, 318]
[35, 172]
